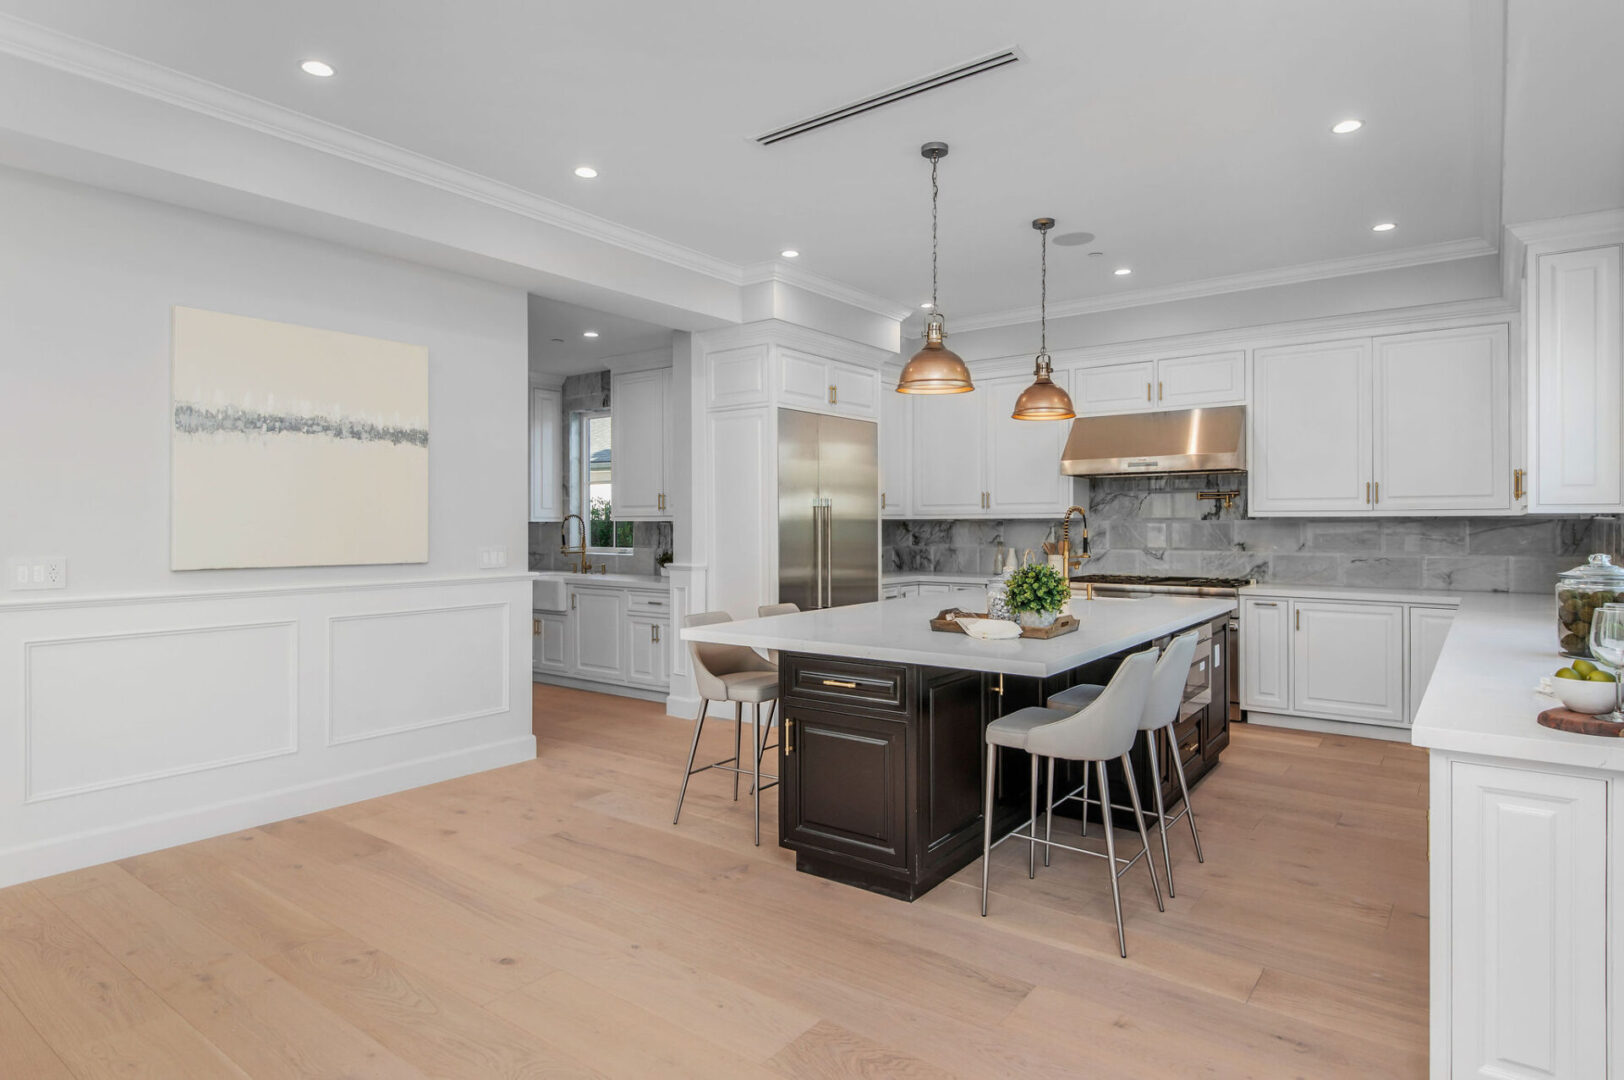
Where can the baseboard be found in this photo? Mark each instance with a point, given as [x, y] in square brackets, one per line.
[1329, 727]
[90, 848]
[618, 689]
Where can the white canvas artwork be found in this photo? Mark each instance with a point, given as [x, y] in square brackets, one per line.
[293, 446]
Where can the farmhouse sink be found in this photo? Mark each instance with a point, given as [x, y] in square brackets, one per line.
[551, 592]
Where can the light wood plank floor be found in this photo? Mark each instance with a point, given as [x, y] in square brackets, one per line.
[547, 920]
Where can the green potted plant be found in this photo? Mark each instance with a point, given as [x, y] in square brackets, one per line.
[662, 563]
[1036, 594]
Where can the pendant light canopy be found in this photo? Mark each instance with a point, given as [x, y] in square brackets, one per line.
[1043, 400]
[934, 369]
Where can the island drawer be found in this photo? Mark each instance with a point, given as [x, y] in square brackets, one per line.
[827, 680]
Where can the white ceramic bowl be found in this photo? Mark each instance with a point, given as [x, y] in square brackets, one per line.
[1586, 697]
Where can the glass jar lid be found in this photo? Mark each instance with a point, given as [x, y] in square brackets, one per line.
[1599, 571]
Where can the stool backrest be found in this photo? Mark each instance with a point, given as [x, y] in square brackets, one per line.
[1168, 680]
[1106, 728]
[711, 661]
[776, 609]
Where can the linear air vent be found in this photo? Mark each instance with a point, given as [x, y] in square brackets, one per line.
[889, 97]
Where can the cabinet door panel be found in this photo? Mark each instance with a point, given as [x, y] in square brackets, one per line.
[1023, 456]
[546, 455]
[1348, 661]
[856, 390]
[645, 651]
[1442, 415]
[803, 381]
[1428, 628]
[1187, 382]
[1310, 429]
[1266, 655]
[1527, 917]
[637, 407]
[1576, 385]
[1115, 388]
[896, 454]
[947, 458]
[599, 620]
[549, 652]
[844, 785]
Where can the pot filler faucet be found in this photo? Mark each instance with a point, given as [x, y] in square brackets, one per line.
[564, 545]
[1073, 562]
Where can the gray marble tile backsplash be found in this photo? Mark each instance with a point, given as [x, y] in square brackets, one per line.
[1156, 525]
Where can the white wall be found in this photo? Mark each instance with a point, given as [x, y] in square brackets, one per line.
[150, 707]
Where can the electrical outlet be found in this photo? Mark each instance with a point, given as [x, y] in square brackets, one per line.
[50, 572]
[492, 558]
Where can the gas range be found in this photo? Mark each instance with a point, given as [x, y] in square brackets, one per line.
[1169, 584]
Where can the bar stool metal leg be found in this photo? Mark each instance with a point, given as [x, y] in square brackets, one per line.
[738, 741]
[1161, 810]
[1110, 854]
[1085, 800]
[986, 824]
[699, 726]
[1184, 788]
[755, 786]
[1032, 826]
[1048, 815]
[1144, 836]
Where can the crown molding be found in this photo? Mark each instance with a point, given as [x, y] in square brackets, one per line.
[787, 274]
[1448, 251]
[1598, 227]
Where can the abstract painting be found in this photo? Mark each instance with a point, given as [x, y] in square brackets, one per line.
[293, 446]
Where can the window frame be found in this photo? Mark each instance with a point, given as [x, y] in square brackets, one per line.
[583, 499]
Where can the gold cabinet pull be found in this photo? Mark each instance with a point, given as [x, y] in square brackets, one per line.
[654, 629]
[535, 626]
[1158, 389]
[882, 500]
[1299, 614]
[1367, 491]
[831, 393]
[1147, 391]
[1517, 484]
[572, 601]
[789, 736]
[1378, 497]
[840, 682]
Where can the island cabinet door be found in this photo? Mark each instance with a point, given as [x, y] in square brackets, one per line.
[1527, 923]
[845, 786]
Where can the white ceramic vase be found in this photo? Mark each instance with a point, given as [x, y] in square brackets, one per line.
[1037, 619]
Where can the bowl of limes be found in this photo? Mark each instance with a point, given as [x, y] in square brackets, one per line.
[1585, 688]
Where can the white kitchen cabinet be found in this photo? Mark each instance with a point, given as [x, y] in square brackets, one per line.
[1442, 414]
[640, 414]
[597, 621]
[948, 456]
[1266, 655]
[1115, 388]
[546, 454]
[1526, 877]
[818, 384]
[896, 458]
[549, 644]
[1429, 626]
[1347, 661]
[1189, 382]
[1023, 476]
[1574, 436]
[647, 650]
[1310, 429]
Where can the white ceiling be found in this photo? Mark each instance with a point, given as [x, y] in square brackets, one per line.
[1192, 138]
[556, 344]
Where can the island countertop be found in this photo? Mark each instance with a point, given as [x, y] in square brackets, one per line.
[899, 631]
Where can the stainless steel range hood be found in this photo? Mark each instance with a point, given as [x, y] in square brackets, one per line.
[1188, 440]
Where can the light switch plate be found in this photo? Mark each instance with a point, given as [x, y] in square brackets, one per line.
[492, 558]
[47, 572]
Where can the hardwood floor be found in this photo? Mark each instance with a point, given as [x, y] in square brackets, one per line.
[546, 920]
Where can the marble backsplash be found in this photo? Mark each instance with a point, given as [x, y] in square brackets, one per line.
[1157, 525]
[649, 538]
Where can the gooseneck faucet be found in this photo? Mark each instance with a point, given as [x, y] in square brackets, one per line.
[564, 542]
[1073, 562]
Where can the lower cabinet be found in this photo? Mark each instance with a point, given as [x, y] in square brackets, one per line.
[1428, 628]
[646, 650]
[1523, 940]
[549, 651]
[614, 636]
[1348, 661]
[845, 782]
[597, 624]
[1266, 655]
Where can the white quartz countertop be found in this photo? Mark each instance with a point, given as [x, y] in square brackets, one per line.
[899, 631]
[618, 581]
[1354, 592]
[891, 576]
[1483, 698]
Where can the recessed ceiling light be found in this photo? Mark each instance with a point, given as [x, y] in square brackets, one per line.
[927, 305]
[585, 172]
[319, 68]
[590, 333]
[790, 253]
[1122, 271]
[1384, 226]
[1346, 127]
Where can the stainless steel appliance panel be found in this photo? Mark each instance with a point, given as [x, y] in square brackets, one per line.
[800, 540]
[828, 510]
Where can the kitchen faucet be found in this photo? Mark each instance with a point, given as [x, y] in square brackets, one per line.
[579, 552]
[1070, 561]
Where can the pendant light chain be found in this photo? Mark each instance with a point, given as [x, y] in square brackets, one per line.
[1043, 298]
[935, 190]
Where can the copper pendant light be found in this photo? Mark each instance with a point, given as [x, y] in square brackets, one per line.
[934, 369]
[1043, 400]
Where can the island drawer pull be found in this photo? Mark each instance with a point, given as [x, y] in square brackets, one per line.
[789, 736]
[840, 683]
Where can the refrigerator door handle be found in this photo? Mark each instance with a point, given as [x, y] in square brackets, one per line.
[828, 553]
[817, 554]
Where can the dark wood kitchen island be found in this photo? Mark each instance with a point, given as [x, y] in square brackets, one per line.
[883, 720]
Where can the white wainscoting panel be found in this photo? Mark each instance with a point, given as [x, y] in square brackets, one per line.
[395, 671]
[107, 710]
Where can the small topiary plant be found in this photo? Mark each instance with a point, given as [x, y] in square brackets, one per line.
[1038, 589]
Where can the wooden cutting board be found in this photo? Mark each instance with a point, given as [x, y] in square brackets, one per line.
[1563, 719]
[945, 621]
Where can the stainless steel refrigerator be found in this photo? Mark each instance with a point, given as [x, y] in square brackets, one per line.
[828, 510]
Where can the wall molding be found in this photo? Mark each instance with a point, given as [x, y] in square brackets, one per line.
[258, 591]
[1449, 251]
[784, 273]
[30, 795]
[507, 670]
[1577, 230]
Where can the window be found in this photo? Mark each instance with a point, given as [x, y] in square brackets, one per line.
[604, 533]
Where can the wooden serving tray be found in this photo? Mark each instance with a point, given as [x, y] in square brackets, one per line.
[945, 622]
[1563, 719]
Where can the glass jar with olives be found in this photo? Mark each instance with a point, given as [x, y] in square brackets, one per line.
[1580, 593]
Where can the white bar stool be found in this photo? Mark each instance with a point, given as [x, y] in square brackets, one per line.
[1102, 731]
[738, 674]
[1161, 712]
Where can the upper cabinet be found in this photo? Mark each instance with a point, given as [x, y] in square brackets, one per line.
[948, 447]
[818, 384]
[1021, 458]
[546, 454]
[1574, 435]
[1404, 424]
[1175, 382]
[896, 435]
[641, 429]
